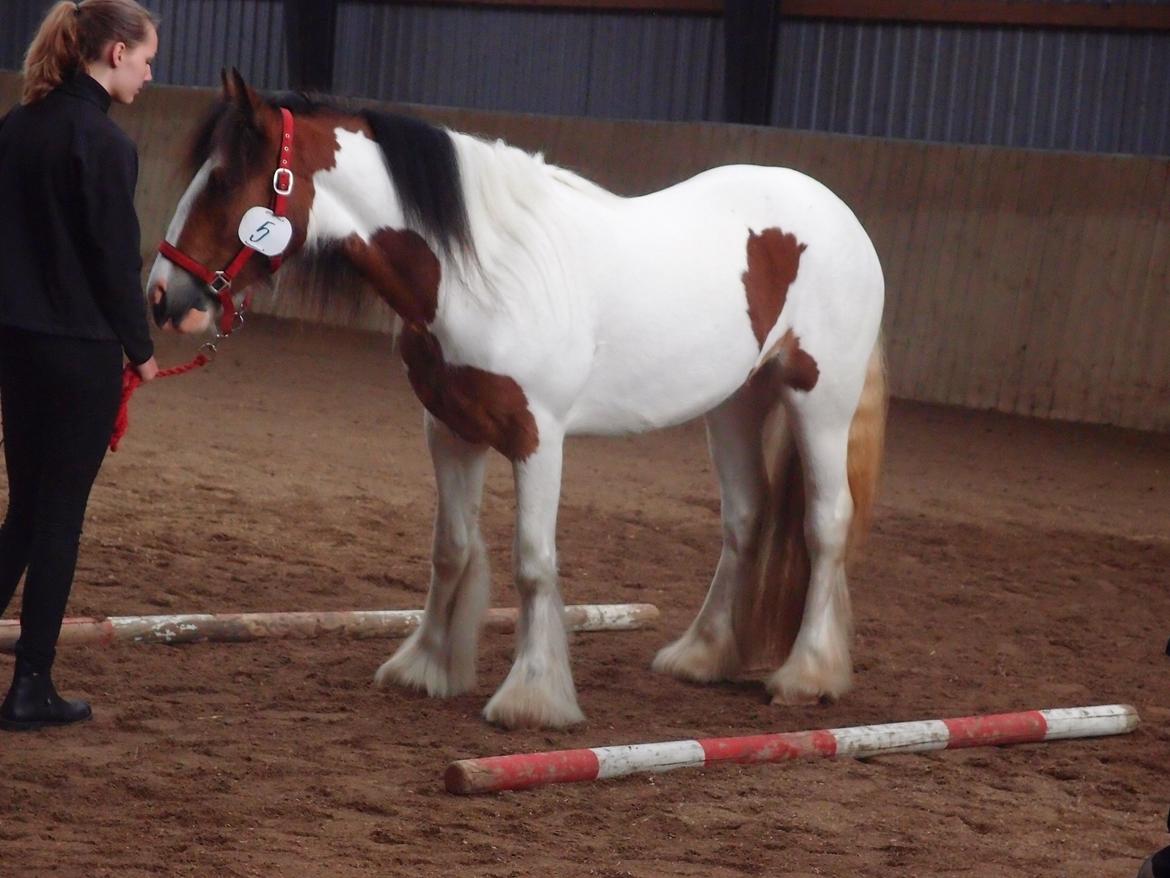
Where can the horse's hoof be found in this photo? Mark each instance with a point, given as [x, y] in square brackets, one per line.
[798, 699]
[804, 682]
[412, 668]
[695, 660]
[525, 707]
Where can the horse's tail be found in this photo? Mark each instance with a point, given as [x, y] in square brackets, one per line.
[867, 439]
[768, 615]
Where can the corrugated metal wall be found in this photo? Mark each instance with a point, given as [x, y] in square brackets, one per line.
[623, 65]
[1053, 89]
[196, 38]
[1094, 91]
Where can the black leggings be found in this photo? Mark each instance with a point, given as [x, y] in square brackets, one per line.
[58, 399]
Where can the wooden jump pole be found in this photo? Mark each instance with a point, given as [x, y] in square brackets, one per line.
[242, 627]
[521, 771]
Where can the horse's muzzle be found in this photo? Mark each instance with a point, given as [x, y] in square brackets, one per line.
[181, 309]
[158, 306]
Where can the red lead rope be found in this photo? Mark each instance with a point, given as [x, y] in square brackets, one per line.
[130, 382]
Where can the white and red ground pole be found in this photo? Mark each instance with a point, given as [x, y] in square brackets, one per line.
[521, 771]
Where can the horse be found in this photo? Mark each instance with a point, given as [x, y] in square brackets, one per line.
[537, 305]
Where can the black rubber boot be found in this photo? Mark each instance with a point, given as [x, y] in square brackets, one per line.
[1157, 866]
[33, 703]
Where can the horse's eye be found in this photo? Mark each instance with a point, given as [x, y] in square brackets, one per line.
[218, 183]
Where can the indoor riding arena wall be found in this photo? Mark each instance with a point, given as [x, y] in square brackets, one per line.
[1025, 281]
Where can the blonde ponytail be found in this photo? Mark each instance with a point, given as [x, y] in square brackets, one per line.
[74, 34]
[54, 53]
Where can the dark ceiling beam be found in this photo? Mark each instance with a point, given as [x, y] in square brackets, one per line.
[699, 7]
[1022, 13]
[749, 37]
[1014, 13]
[310, 28]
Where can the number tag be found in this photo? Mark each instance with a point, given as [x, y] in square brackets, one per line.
[265, 232]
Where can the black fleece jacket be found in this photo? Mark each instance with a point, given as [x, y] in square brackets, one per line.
[70, 262]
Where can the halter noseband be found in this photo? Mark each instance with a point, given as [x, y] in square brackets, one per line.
[220, 282]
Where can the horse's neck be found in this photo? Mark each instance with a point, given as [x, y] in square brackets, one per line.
[523, 214]
[504, 185]
[354, 197]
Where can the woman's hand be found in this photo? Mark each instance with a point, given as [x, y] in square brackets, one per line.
[146, 371]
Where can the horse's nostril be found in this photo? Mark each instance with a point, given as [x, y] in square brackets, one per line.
[158, 306]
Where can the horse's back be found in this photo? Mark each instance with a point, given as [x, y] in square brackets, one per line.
[761, 197]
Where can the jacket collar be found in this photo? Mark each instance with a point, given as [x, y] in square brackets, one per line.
[82, 85]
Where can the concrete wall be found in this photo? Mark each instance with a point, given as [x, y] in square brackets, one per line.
[1023, 281]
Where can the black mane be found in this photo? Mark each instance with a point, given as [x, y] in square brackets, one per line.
[420, 157]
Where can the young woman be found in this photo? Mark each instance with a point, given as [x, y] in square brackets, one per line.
[70, 305]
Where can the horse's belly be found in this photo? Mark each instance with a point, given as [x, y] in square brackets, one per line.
[668, 350]
[619, 408]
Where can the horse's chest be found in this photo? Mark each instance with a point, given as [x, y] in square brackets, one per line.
[479, 406]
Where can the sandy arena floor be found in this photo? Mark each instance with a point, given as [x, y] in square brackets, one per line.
[1014, 564]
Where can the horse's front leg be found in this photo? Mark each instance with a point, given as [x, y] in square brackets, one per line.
[539, 689]
[440, 656]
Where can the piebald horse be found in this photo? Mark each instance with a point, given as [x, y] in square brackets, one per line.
[537, 305]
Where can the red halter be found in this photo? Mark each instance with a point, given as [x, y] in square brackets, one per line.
[220, 282]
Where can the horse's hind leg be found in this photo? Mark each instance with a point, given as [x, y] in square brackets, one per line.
[539, 688]
[440, 656]
[707, 651]
[819, 664]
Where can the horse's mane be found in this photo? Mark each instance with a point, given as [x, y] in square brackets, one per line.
[420, 158]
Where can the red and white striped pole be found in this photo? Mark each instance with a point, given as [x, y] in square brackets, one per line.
[521, 771]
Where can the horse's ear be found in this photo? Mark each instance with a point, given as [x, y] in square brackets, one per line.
[233, 84]
[237, 92]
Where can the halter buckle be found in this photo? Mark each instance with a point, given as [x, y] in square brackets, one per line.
[282, 181]
[219, 283]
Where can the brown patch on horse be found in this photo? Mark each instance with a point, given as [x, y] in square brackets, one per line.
[402, 268]
[480, 407]
[791, 363]
[773, 259]
[315, 149]
[798, 369]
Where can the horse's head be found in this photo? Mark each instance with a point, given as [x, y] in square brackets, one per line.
[390, 188]
[246, 207]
